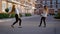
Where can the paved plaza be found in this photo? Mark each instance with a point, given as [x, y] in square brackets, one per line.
[30, 26]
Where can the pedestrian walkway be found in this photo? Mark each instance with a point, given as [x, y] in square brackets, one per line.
[10, 19]
[30, 26]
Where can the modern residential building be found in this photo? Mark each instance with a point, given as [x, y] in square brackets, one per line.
[53, 5]
[7, 4]
[24, 6]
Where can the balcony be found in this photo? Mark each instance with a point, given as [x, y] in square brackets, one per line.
[37, 2]
[14, 1]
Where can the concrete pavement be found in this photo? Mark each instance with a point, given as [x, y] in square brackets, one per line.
[30, 26]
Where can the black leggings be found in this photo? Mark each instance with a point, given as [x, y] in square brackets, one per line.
[17, 19]
[43, 19]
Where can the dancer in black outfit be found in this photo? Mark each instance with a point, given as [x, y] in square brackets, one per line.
[44, 15]
[17, 17]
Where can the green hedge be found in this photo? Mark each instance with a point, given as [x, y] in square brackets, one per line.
[12, 16]
[57, 16]
[4, 15]
[27, 14]
[20, 15]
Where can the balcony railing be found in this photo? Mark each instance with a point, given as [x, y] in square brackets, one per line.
[25, 4]
[12, 1]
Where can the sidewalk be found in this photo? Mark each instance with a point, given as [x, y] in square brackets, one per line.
[30, 26]
[10, 19]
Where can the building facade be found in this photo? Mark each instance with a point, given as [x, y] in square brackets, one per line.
[24, 6]
[53, 6]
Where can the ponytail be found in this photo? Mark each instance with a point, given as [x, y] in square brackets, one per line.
[13, 9]
[46, 8]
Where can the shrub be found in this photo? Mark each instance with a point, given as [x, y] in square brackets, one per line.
[20, 15]
[12, 16]
[57, 16]
[5, 15]
[27, 14]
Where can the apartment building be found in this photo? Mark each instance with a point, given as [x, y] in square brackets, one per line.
[53, 5]
[8, 4]
[24, 6]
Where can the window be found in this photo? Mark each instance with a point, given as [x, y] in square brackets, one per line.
[9, 6]
[3, 6]
[43, 2]
[38, 6]
[18, 7]
[48, 4]
[54, 3]
[17, 0]
[9, 0]
[53, 0]
[58, 5]
[58, 1]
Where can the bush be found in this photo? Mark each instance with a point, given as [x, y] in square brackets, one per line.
[57, 16]
[27, 14]
[5, 15]
[12, 16]
[20, 15]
